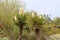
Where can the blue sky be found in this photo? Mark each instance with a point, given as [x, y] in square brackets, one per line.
[49, 7]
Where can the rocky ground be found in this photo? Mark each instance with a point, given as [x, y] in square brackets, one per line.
[54, 37]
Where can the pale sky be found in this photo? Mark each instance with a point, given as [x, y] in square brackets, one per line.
[50, 7]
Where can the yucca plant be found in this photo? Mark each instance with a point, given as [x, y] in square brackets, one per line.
[20, 21]
[36, 23]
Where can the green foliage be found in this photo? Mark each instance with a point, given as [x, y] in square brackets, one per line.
[57, 21]
[8, 9]
[20, 20]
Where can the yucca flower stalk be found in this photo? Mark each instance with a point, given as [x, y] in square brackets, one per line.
[20, 21]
